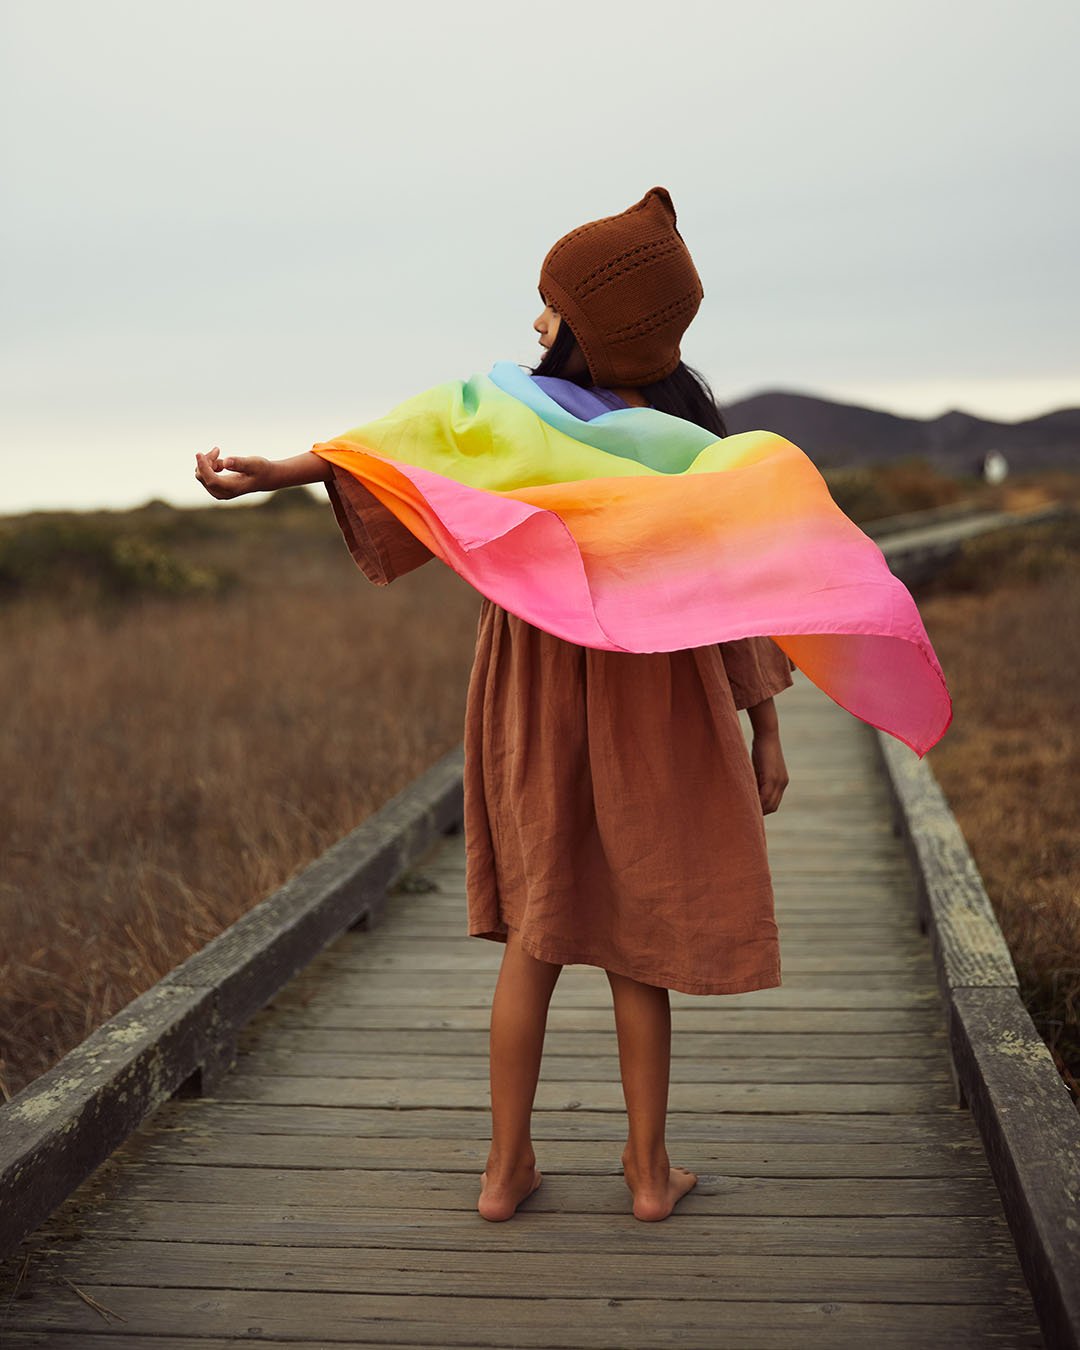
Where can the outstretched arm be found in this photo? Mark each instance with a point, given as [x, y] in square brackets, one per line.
[239, 474]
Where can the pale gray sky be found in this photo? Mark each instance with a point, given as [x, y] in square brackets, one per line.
[256, 224]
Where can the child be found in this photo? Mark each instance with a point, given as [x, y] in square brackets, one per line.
[612, 814]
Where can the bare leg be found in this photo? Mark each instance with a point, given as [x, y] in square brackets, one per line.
[518, 1023]
[643, 1023]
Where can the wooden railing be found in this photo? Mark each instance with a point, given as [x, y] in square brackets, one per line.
[918, 553]
[181, 1034]
[1002, 1068]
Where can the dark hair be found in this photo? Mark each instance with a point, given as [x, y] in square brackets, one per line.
[684, 393]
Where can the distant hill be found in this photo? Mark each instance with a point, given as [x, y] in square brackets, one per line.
[844, 435]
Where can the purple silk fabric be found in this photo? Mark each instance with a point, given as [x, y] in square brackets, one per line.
[583, 403]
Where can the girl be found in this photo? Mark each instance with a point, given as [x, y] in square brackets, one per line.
[612, 814]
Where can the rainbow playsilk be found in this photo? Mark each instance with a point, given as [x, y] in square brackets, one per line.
[637, 531]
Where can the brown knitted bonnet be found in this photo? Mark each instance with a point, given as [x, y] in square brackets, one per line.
[628, 289]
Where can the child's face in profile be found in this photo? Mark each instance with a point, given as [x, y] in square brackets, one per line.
[547, 325]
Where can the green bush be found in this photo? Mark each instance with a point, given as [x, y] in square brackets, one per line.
[286, 498]
[908, 484]
[858, 493]
[55, 554]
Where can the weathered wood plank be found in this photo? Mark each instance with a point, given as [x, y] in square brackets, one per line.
[837, 929]
[383, 1270]
[59, 1128]
[832, 917]
[707, 1016]
[836, 924]
[594, 1069]
[439, 990]
[884, 871]
[897, 1129]
[601, 1323]
[965, 937]
[581, 980]
[403, 1093]
[461, 956]
[211, 1146]
[324, 1190]
[796, 896]
[268, 1223]
[1027, 1120]
[688, 1045]
[52, 1340]
[1032, 1130]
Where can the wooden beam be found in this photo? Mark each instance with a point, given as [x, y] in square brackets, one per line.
[182, 1032]
[1002, 1068]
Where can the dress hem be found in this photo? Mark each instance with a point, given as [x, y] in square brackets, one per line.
[767, 978]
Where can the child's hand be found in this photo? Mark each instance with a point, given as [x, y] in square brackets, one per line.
[248, 473]
[769, 770]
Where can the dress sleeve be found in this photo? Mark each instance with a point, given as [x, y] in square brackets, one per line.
[756, 669]
[382, 547]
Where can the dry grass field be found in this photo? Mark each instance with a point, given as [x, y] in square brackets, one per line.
[172, 759]
[1005, 623]
[198, 702]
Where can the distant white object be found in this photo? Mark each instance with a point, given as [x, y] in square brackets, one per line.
[995, 466]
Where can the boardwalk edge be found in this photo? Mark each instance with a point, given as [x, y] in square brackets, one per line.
[1004, 1071]
[182, 1031]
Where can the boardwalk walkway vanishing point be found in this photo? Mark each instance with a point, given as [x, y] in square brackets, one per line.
[324, 1193]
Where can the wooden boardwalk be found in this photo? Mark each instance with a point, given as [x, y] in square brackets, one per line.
[325, 1196]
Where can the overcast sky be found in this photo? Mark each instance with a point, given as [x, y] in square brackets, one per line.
[255, 224]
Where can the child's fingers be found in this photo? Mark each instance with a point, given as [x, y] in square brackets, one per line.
[212, 464]
[770, 792]
[209, 473]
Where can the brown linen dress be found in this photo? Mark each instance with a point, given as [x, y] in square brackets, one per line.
[611, 809]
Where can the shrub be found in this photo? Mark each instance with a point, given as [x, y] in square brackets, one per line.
[1019, 555]
[908, 484]
[286, 498]
[60, 553]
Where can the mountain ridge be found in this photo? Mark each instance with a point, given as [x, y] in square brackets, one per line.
[845, 435]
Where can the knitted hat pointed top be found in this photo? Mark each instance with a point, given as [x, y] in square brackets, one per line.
[628, 289]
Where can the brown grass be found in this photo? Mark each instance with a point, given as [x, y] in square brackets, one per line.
[172, 759]
[1005, 623]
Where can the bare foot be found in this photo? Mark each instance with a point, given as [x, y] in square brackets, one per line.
[500, 1199]
[655, 1195]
